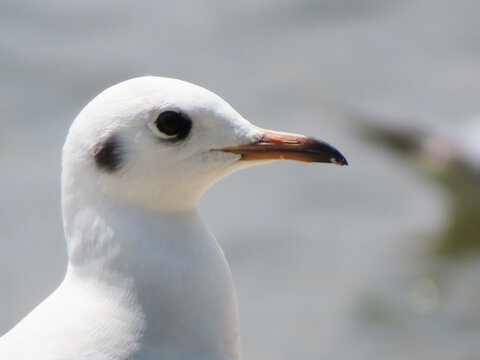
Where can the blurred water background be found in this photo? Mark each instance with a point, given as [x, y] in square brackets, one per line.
[330, 263]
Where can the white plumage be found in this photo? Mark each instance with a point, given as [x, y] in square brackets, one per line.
[145, 278]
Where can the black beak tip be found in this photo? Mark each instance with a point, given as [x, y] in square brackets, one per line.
[330, 154]
[339, 160]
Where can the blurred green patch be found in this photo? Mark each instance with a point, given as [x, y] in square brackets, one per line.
[462, 233]
[459, 179]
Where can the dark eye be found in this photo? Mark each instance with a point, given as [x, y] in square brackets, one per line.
[172, 125]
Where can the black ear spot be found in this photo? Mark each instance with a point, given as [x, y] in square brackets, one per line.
[108, 154]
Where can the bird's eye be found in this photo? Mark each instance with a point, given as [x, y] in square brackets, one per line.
[172, 125]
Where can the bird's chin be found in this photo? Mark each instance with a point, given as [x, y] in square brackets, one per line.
[217, 157]
[234, 161]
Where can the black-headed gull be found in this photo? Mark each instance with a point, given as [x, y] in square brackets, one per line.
[145, 278]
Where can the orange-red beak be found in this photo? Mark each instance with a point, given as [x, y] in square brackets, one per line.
[275, 145]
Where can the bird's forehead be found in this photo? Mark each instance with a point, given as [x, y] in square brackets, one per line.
[152, 94]
[164, 91]
[136, 102]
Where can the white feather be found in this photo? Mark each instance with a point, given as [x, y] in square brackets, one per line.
[145, 279]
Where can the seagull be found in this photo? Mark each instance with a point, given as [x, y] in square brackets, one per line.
[145, 278]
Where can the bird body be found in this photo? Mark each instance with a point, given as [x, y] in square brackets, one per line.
[148, 295]
[145, 278]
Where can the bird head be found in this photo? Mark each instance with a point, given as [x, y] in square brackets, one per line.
[159, 143]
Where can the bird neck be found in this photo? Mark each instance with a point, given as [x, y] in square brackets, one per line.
[165, 267]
